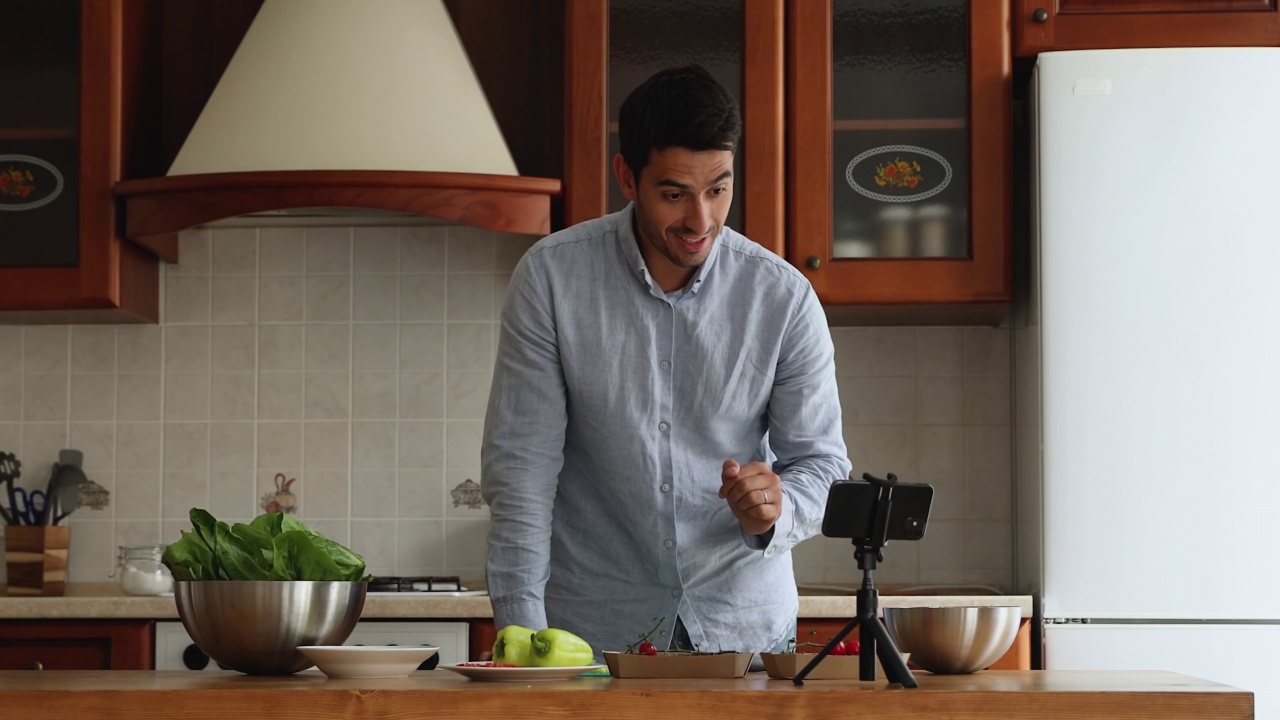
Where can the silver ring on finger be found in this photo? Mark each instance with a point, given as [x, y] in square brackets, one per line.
[766, 496]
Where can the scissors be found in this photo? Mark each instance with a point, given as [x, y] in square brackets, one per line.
[29, 508]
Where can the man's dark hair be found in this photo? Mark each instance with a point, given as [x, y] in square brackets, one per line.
[677, 107]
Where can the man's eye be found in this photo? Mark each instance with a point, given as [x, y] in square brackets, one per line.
[672, 195]
[718, 191]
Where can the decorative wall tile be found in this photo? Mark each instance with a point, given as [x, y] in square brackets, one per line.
[470, 298]
[373, 493]
[186, 396]
[328, 348]
[462, 494]
[420, 494]
[374, 348]
[328, 298]
[232, 396]
[139, 348]
[422, 396]
[186, 298]
[376, 249]
[376, 298]
[235, 251]
[282, 251]
[46, 349]
[423, 250]
[194, 256]
[186, 348]
[235, 299]
[422, 298]
[470, 347]
[422, 346]
[93, 348]
[373, 396]
[281, 347]
[93, 396]
[11, 348]
[327, 396]
[282, 298]
[44, 397]
[328, 250]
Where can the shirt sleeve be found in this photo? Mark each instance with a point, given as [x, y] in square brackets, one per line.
[523, 450]
[805, 430]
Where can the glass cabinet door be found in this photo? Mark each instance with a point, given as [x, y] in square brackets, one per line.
[899, 157]
[900, 129]
[644, 38]
[40, 133]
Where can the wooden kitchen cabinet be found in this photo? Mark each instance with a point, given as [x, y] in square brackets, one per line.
[84, 645]
[1041, 25]
[899, 134]
[787, 64]
[74, 80]
[611, 46]
[1018, 657]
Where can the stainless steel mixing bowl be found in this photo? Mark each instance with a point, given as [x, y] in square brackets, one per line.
[953, 640]
[256, 626]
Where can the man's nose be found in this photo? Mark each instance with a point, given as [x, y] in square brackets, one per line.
[698, 218]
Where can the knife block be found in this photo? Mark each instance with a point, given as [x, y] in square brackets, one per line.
[35, 559]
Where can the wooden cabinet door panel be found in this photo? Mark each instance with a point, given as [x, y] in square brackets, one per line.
[70, 645]
[1042, 25]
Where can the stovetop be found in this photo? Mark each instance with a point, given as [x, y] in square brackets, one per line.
[448, 586]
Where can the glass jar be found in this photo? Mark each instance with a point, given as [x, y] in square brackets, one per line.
[141, 572]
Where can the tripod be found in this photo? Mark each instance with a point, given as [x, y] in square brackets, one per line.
[873, 636]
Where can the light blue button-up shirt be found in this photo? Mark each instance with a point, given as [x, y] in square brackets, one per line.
[614, 406]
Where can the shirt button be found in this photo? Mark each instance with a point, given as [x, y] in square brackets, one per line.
[665, 487]
[664, 365]
[675, 592]
[668, 544]
[663, 426]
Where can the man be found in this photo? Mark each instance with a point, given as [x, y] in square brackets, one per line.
[652, 365]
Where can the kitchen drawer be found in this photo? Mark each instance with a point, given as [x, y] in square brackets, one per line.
[61, 645]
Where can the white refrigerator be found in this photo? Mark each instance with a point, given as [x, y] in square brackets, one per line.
[1148, 364]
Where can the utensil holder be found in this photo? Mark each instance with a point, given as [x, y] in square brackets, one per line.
[35, 558]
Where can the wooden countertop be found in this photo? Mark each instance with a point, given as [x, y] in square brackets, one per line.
[104, 601]
[989, 694]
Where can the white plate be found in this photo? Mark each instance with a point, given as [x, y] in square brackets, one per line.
[367, 661]
[520, 674]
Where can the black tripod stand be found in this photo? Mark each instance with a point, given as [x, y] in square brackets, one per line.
[873, 636]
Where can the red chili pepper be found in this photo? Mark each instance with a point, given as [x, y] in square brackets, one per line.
[647, 648]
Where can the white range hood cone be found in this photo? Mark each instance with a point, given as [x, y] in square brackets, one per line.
[347, 85]
[332, 104]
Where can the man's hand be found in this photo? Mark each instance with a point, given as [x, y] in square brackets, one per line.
[754, 495]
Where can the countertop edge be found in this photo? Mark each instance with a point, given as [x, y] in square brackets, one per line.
[104, 602]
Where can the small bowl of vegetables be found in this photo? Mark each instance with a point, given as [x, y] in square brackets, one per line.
[250, 595]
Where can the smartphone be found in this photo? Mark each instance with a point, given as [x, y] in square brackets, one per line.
[851, 507]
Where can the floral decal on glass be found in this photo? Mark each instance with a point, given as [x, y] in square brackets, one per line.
[27, 182]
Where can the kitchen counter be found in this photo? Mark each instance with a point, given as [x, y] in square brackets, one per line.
[100, 601]
[993, 693]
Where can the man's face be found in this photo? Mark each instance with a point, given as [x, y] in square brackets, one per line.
[681, 200]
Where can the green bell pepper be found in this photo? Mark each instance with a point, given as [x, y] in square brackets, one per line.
[560, 648]
[513, 646]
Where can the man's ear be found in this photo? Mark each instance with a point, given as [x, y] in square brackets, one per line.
[626, 180]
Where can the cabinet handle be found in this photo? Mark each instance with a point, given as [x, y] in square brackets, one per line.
[813, 262]
[1040, 15]
[35, 665]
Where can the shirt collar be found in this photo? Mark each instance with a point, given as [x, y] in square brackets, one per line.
[631, 251]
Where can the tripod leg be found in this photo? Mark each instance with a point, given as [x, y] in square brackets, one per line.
[895, 668]
[800, 676]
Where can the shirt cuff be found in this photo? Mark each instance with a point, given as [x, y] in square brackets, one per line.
[529, 613]
[774, 540]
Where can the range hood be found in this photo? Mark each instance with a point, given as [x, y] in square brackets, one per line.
[336, 105]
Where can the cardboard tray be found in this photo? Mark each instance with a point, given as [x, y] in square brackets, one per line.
[832, 667]
[679, 665]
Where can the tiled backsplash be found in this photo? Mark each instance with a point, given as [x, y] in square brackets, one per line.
[356, 361]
